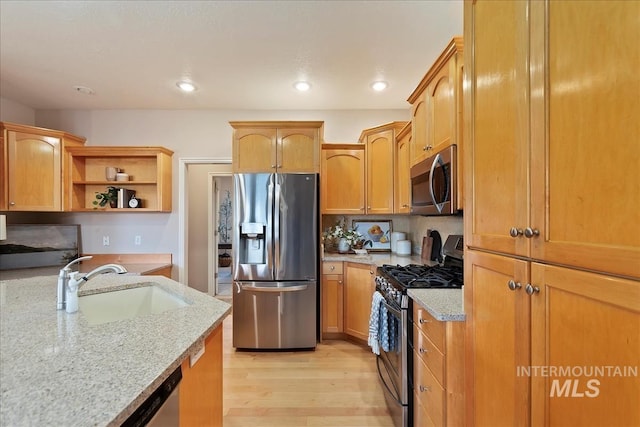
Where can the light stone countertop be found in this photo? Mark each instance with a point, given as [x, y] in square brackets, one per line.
[56, 369]
[377, 258]
[443, 304]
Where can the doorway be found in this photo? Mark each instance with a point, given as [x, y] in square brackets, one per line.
[220, 233]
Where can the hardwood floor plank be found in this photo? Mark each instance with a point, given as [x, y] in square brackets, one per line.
[335, 385]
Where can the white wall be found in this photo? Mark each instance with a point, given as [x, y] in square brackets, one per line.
[189, 133]
[11, 111]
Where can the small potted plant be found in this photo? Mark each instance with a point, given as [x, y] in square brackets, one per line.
[108, 197]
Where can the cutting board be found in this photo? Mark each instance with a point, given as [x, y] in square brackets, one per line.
[427, 245]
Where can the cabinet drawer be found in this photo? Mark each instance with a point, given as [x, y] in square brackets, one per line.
[429, 393]
[430, 355]
[332, 267]
[432, 328]
[420, 415]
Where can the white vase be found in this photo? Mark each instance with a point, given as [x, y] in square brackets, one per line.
[343, 245]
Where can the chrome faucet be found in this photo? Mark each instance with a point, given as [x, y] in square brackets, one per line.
[76, 280]
[63, 279]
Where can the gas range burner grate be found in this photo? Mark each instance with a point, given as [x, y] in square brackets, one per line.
[422, 276]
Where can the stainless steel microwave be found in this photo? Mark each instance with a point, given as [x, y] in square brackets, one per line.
[433, 184]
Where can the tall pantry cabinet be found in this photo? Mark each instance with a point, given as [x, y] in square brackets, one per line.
[552, 270]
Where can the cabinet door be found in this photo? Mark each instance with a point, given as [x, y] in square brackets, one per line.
[359, 288]
[584, 321]
[497, 148]
[380, 161]
[418, 149]
[402, 184]
[254, 150]
[342, 180]
[499, 331]
[332, 303]
[585, 157]
[442, 106]
[34, 172]
[298, 150]
[201, 386]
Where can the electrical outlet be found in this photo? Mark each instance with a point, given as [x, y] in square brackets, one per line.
[105, 240]
[138, 240]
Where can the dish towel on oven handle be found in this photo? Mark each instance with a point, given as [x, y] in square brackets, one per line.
[375, 322]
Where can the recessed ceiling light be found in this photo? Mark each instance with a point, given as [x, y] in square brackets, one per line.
[186, 86]
[302, 86]
[379, 86]
[84, 89]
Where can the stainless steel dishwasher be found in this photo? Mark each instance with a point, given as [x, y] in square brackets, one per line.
[161, 408]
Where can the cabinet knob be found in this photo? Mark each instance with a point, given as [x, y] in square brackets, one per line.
[12, 203]
[424, 148]
[278, 166]
[422, 350]
[530, 232]
[424, 388]
[421, 321]
[515, 232]
[333, 267]
[339, 282]
[530, 290]
[513, 285]
[273, 166]
[362, 208]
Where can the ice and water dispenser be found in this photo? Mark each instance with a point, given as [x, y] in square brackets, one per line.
[252, 248]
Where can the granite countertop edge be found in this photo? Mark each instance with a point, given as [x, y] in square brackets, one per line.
[443, 304]
[97, 374]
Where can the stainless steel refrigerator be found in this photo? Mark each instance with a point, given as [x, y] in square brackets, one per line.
[275, 261]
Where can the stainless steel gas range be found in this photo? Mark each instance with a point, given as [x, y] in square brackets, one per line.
[395, 364]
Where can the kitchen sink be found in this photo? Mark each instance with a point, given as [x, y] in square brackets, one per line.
[128, 303]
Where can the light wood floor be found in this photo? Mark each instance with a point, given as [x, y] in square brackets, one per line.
[335, 385]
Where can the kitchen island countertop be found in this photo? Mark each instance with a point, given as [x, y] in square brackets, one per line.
[58, 370]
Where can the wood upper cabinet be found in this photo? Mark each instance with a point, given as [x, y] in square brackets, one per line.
[531, 164]
[358, 291]
[282, 147]
[149, 170]
[381, 148]
[436, 105]
[34, 166]
[332, 298]
[342, 179]
[402, 177]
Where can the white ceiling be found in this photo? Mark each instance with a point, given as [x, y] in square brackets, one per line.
[240, 54]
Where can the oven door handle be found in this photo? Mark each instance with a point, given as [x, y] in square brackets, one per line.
[391, 392]
[393, 310]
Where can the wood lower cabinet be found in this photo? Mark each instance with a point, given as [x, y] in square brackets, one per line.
[201, 387]
[332, 299]
[438, 370]
[342, 179]
[402, 177]
[528, 316]
[34, 165]
[358, 292]
[149, 170]
[283, 147]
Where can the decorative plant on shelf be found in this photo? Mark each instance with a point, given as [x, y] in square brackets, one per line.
[350, 237]
[110, 197]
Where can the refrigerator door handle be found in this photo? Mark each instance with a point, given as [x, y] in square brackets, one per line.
[254, 288]
[276, 227]
[272, 238]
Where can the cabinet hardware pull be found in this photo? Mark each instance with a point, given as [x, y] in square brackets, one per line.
[339, 282]
[531, 289]
[424, 388]
[12, 203]
[333, 267]
[513, 285]
[515, 232]
[530, 232]
[422, 350]
[421, 321]
[273, 166]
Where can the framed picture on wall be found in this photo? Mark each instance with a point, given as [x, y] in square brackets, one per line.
[39, 245]
[378, 232]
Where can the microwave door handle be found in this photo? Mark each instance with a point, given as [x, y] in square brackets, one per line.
[431, 180]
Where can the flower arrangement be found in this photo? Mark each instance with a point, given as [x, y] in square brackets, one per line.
[353, 237]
